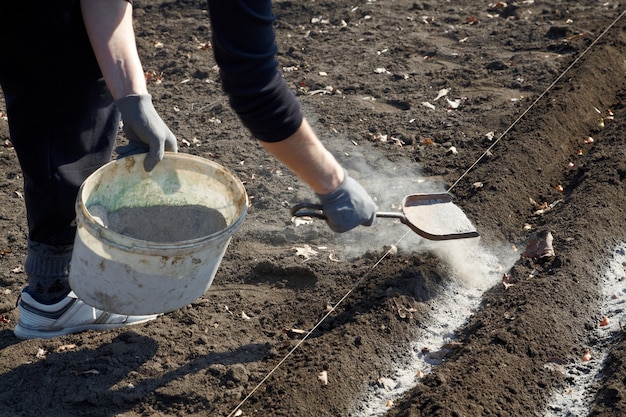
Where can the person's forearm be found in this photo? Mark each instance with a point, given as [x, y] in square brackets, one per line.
[110, 29]
[305, 155]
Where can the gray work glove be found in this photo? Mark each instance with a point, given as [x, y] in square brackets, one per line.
[348, 206]
[145, 130]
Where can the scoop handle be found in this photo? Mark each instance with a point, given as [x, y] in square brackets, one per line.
[306, 209]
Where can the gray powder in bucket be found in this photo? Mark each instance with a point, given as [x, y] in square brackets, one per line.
[165, 223]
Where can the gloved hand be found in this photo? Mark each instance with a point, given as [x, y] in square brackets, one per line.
[145, 130]
[348, 206]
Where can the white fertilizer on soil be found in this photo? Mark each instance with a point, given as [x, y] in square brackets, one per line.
[450, 311]
[575, 399]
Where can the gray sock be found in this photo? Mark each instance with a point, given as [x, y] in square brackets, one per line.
[47, 268]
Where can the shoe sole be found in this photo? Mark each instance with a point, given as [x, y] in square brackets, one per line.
[25, 333]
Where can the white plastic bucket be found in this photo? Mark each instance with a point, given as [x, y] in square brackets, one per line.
[120, 273]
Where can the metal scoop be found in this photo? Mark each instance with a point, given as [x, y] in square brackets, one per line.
[432, 216]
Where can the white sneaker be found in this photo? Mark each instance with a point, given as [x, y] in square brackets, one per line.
[70, 315]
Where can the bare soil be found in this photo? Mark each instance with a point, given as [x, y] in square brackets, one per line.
[528, 83]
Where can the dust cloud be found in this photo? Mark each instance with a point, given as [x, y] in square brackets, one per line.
[388, 183]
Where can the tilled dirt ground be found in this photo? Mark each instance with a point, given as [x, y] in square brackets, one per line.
[496, 102]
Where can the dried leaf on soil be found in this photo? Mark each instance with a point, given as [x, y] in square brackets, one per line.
[545, 207]
[506, 281]
[41, 353]
[301, 220]
[323, 377]
[305, 251]
[63, 348]
[442, 93]
[292, 333]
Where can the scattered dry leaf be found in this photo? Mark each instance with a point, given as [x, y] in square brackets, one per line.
[442, 93]
[545, 207]
[587, 356]
[508, 316]
[301, 220]
[406, 312]
[63, 348]
[397, 141]
[380, 137]
[306, 252]
[205, 46]
[323, 376]
[291, 333]
[604, 321]
[506, 281]
[453, 104]
[153, 76]
[498, 5]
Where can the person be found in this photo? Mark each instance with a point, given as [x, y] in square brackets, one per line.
[244, 47]
[63, 122]
[94, 76]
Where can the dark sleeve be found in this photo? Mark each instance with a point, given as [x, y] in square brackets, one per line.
[245, 50]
